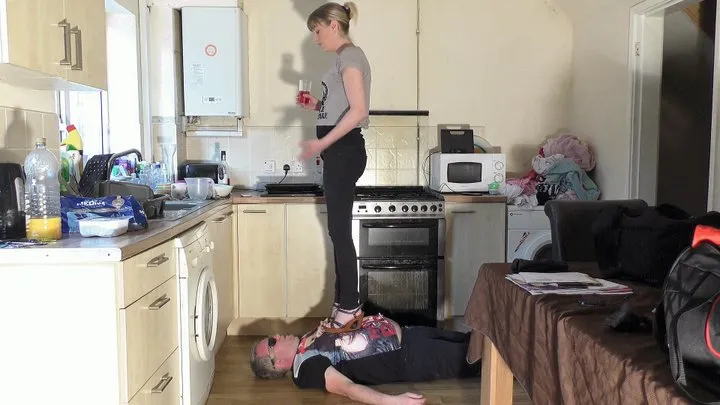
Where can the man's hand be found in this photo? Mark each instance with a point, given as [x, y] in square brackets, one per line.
[408, 398]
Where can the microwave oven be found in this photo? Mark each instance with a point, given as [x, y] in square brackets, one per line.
[465, 172]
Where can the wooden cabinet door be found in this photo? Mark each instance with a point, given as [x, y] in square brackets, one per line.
[37, 31]
[221, 241]
[310, 264]
[475, 234]
[88, 42]
[261, 261]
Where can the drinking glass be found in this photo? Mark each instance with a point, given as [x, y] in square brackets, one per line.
[303, 96]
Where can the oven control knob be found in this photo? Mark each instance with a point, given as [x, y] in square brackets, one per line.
[405, 208]
[433, 208]
[423, 208]
[391, 208]
[377, 208]
[414, 208]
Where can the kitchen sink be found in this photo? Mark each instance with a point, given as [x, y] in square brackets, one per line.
[177, 209]
[185, 205]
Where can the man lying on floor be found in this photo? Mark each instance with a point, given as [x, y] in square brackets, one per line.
[379, 352]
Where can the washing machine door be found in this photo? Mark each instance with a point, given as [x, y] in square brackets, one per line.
[206, 314]
[535, 245]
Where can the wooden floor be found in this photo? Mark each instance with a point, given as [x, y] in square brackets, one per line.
[235, 384]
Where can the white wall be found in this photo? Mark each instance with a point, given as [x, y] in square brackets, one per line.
[600, 95]
[504, 65]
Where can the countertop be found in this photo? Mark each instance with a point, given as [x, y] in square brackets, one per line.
[77, 249]
[257, 197]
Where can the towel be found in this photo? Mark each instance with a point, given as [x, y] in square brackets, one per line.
[569, 176]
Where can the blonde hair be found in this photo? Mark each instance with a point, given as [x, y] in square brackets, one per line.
[329, 12]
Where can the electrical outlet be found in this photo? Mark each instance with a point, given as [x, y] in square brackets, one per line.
[269, 166]
[296, 167]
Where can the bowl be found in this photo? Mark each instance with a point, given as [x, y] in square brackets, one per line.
[222, 190]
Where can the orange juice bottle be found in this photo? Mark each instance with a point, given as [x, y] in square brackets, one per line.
[42, 194]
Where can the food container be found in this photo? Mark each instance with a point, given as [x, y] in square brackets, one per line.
[103, 227]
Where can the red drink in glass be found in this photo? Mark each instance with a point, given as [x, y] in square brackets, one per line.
[303, 95]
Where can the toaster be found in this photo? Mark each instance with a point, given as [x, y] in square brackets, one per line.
[199, 168]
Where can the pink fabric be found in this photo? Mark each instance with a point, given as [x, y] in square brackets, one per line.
[571, 147]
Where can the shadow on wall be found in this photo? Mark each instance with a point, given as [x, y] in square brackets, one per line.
[313, 63]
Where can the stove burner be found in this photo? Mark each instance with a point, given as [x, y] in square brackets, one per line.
[386, 193]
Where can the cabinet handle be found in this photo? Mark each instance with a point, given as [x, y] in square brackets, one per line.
[66, 42]
[221, 220]
[463, 212]
[160, 387]
[159, 303]
[78, 49]
[255, 211]
[157, 261]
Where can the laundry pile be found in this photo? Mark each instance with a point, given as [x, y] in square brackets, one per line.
[559, 173]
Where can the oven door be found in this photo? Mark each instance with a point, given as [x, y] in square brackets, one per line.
[397, 238]
[406, 290]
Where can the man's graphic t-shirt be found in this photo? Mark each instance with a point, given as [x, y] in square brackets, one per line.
[317, 352]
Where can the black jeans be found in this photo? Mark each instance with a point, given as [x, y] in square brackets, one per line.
[435, 354]
[343, 164]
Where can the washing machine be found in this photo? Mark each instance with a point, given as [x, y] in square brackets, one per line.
[198, 314]
[528, 234]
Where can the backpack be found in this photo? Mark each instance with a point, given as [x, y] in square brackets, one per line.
[687, 321]
[640, 245]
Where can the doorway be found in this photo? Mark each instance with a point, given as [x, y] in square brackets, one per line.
[672, 56]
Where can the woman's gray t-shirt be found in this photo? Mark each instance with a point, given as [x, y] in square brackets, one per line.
[334, 102]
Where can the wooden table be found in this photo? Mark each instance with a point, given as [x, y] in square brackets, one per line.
[559, 351]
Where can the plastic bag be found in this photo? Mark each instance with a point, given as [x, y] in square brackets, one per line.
[73, 209]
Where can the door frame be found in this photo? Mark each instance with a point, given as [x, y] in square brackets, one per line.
[645, 64]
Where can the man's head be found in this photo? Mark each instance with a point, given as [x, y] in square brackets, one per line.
[273, 356]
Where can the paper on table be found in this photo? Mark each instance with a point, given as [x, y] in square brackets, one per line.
[569, 277]
[566, 284]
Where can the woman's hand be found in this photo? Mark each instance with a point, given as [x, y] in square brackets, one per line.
[306, 101]
[310, 149]
[408, 398]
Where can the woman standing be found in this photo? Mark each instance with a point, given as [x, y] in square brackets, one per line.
[342, 111]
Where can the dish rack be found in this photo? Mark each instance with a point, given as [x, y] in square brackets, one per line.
[99, 169]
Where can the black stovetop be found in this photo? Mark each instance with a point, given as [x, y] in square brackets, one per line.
[386, 193]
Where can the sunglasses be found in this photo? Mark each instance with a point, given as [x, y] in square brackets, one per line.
[271, 352]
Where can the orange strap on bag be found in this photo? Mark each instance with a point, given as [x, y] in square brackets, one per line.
[705, 233]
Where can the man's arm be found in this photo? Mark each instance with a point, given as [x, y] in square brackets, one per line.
[337, 383]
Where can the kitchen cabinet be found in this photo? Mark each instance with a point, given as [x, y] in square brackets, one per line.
[475, 233]
[262, 277]
[54, 44]
[310, 263]
[89, 42]
[220, 229]
[113, 329]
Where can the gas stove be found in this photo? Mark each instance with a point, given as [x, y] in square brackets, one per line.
[396, 202]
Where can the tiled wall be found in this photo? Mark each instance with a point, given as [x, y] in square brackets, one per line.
[397, 149]
[20, 128]
[397, 153]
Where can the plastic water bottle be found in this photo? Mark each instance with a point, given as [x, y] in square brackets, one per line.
[42, 194]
